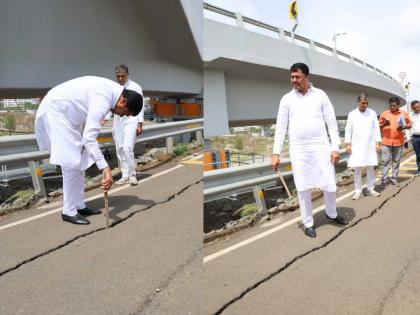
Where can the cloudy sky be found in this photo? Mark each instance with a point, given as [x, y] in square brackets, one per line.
[383, 33]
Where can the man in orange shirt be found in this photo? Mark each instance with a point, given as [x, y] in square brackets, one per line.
[392, 123]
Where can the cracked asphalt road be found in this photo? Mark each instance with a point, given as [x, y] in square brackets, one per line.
[68, 269]
[371, 267]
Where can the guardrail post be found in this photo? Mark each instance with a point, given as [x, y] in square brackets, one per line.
[312, 44]
[37, 181]
[239, 20]
[199, 136]
[259, 199]
[170, 145]
[351, 59]
[281, 34]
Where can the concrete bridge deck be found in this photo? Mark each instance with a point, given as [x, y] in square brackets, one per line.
[246, 72]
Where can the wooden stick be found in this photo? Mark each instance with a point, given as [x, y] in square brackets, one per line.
[106, 208]
[284, 183]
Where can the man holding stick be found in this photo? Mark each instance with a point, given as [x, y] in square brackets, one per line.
[305, 111]
[67, 124]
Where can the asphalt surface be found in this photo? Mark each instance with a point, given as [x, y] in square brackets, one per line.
[371, 266]
[51, 267]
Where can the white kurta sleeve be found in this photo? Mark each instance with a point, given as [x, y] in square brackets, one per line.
[331, 121]
[95, 115]
[281, 126]
[349, 129]
[377, 130]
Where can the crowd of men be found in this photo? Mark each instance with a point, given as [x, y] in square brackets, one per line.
[308, 116]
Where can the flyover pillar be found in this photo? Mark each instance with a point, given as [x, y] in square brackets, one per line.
[215, 104]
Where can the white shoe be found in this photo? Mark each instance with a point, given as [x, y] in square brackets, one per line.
[372, 193]
[357, 195]
[122, 181]
[133, 181]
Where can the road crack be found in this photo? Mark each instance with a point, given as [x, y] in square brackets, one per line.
[115, 223]
[391, 291]
[295, 259]
[149, 298]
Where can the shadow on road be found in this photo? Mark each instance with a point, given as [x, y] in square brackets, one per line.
[320, 219]
[118, 204]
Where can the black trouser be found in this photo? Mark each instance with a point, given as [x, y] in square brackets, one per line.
[416, 147]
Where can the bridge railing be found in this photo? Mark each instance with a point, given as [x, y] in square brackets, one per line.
[294, 38]
[24, 149]
[227, 182]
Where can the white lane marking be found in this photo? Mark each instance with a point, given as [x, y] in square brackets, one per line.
[38, 216]
[266, 233]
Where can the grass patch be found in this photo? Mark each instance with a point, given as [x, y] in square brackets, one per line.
[248, 209]
[23, 195]
[182, 149]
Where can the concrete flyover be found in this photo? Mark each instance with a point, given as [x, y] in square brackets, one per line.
[47, 42]
[246, 71]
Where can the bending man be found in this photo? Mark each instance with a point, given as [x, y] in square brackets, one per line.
[305, 110]
[363, 142]
[67, 124]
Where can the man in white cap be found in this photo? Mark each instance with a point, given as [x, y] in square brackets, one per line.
[125, 131]
[363, 142]
[67, 124]
[305, 111]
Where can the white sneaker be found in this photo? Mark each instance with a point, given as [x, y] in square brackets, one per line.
[122, 181]
[133, 181]
[372, 193]
[357, 195]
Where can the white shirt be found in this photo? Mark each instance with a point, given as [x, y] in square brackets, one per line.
[76, 109]
[415, 120]
[362, 132]
[306, 116]
[309, 146]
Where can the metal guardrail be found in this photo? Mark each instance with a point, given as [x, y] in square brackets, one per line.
[222, 183]
[240, 19]
[15, 149]
[21, 149]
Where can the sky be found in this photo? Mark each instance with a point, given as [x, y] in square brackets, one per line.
[385, 34]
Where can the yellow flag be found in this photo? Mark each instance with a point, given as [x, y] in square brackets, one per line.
[293, 10]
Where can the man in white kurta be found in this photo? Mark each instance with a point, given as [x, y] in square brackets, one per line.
[125, 131]
[363, 142]
[415, 131]
[67, 124]
[305, 111]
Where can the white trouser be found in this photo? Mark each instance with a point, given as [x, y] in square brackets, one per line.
[305, 204]
[126, 161]
[370, 178]
[73, 190]
[125, 139]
